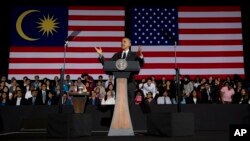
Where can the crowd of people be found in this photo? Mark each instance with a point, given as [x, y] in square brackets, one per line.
[232, 90]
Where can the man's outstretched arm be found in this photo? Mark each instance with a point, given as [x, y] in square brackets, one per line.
[140, 56]
[100, 53]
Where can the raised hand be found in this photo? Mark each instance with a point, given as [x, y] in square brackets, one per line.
[140, 51]
[98, 50]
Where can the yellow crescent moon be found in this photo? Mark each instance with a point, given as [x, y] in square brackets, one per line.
[19, 25]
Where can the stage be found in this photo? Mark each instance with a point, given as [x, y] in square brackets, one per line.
[211, 122]
[102, 136]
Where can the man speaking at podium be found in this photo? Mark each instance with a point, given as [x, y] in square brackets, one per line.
[127, 54]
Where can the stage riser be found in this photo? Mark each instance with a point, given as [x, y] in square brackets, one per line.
[69, 125]
[170, 124]
[207, 117]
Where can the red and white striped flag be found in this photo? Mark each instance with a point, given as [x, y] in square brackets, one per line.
[99, 27]
[209, 41]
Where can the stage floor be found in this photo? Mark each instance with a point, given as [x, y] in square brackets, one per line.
[102, 136]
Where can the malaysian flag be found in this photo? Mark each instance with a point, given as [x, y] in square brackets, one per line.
[208, 40]
[37, 42]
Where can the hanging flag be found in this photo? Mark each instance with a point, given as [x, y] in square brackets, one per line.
[208, 40]
[39, 34]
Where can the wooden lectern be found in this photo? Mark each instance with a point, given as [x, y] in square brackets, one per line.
[121, 124]
[79, 101]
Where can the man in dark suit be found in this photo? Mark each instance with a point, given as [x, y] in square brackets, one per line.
[19, 100]
[43, 94]
[93, 99]
[127, 54]
[34, 100]
[208, 94]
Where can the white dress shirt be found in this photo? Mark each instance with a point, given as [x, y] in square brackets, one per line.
[163, 100]
[18, 101]
[195, 100]
[126, 52]
[149, 88]
[43, 96]
[109, 101]
[28, 94]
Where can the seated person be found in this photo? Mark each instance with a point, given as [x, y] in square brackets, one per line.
[34, 100]
[139, 97]
[93, 99]
[164, 99]
[51, 100]
[108, 99]
[149, 99]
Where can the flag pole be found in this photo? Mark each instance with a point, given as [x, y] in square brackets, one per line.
[66, 42]
[177, 74]
[64, 53]
[62, 77]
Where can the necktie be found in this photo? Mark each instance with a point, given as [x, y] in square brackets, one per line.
[49, 102]
[33, 100]
[44, 96]
[124, 55]
[165, 100]
[208, 94]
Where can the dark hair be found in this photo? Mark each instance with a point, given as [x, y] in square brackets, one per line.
[107, 89]
[187, 76]
[106, 96]
[84, 74]
[226, 83]
[7, 97]
[150, 93]
[25, 77]
[139, 91]
[149, 79]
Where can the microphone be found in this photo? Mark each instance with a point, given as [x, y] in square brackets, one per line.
[72, 35]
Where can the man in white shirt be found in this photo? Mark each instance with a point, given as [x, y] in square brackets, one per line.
[164, 99]
[149, 87]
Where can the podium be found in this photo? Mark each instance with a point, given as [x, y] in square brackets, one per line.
[121, 124]
[79, 102]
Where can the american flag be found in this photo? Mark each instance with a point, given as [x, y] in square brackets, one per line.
[209, 40]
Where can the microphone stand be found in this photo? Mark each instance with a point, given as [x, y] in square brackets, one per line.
[69, 38]
[177, 88]
[60, 106]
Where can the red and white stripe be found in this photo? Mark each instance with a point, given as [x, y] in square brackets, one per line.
[210, 43]
[98, 26]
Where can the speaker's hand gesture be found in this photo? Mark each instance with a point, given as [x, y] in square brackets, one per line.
[139, 51]
[98, 50]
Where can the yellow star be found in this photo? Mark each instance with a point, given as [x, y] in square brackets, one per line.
[48, 25]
